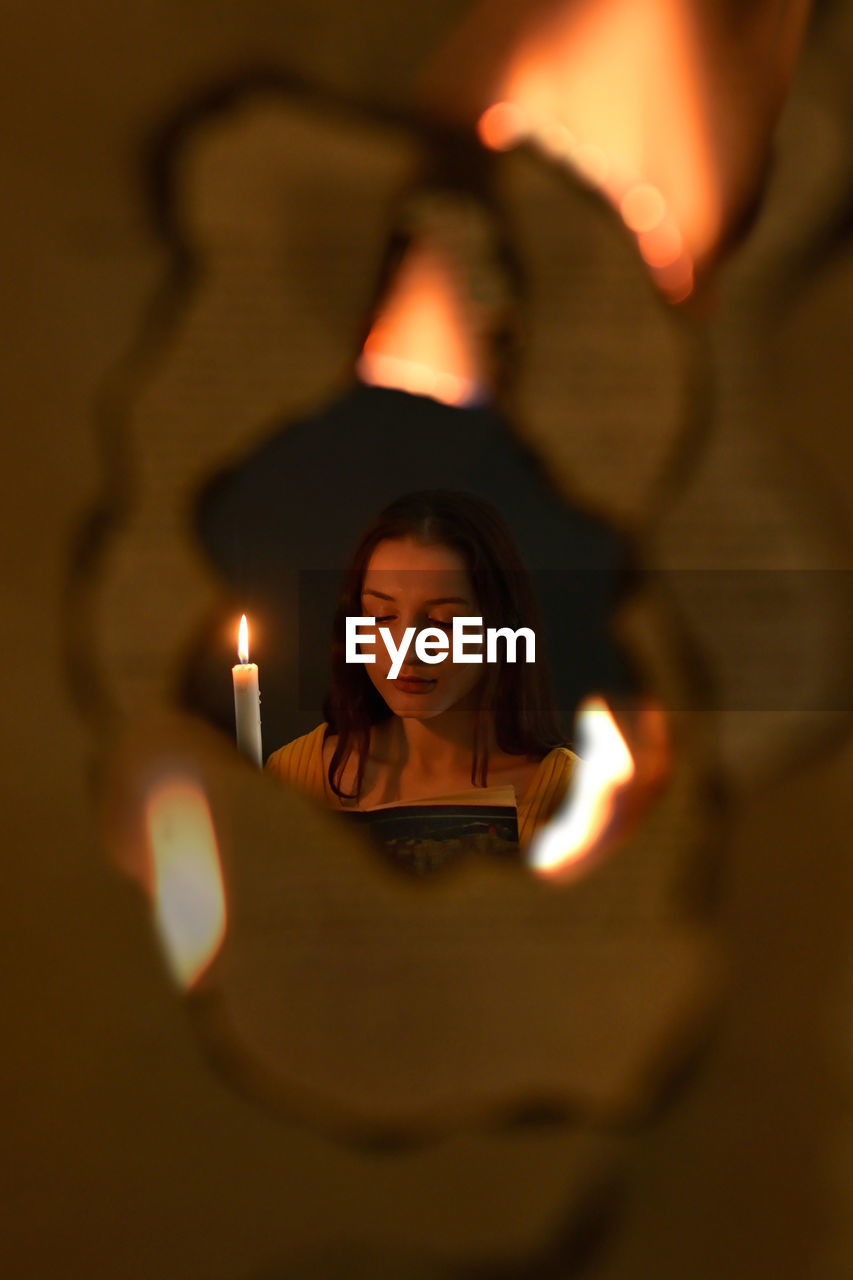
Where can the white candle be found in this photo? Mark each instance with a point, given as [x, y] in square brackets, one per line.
[247, 700]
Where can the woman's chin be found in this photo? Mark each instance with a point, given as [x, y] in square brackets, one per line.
[414, 706]
[413, 701]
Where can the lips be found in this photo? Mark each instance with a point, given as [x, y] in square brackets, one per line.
[414, 684]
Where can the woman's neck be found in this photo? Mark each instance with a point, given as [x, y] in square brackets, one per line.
[440, 746]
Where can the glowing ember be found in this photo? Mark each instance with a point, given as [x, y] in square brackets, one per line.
[243, 640]
[642, 207]
[424, 338]
[661, 245]
[604, 766]
[188, 893]
[676, 279]
[501, 126]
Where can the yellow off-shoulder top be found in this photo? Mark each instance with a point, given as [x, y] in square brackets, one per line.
[301, 763]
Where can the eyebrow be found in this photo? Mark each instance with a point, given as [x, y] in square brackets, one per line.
[368, 591]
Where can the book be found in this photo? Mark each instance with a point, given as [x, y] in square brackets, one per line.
[422, 836]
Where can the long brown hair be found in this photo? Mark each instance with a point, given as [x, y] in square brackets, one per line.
[515, 697]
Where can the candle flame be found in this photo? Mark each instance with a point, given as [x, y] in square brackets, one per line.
[605, 765]
[243, 640]
[188, 892]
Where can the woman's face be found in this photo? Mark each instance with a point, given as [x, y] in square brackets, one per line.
[409, 584]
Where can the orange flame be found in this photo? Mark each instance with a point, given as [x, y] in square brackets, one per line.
[188, 892]
[605, 765]
[423, 339]
[615, 89]
[243, 640]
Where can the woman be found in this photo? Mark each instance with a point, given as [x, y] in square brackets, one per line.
[402, 728]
